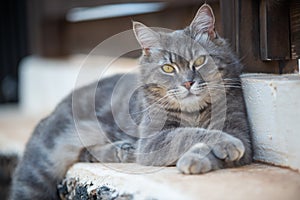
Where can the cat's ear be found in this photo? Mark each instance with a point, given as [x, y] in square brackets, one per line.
[146, 37]
[204, 22]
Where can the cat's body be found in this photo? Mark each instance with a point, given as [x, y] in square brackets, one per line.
[184, 108]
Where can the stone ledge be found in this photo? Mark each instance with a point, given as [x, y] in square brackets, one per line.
[131, 181]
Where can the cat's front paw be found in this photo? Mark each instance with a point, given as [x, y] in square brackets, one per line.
[202, 158]
[229, 150]
[196, 160]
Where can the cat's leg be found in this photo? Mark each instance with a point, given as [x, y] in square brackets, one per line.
[116, 152]
[213, 149]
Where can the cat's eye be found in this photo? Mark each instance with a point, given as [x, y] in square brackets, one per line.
[199, 61]
[168, 68]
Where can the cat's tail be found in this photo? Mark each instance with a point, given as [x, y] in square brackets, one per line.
[8, 163]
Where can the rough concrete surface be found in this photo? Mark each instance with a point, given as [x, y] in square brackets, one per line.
[256, 181]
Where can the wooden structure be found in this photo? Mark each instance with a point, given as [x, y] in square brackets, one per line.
[264, 33]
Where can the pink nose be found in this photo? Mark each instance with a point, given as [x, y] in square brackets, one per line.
[188, 84]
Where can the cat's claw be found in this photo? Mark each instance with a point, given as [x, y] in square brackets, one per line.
[229, 150]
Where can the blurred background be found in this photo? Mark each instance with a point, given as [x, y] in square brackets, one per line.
[44, 42]
[264, 33]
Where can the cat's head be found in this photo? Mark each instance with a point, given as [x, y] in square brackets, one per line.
[177, 66]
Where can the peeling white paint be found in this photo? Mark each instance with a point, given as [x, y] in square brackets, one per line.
[273, 106]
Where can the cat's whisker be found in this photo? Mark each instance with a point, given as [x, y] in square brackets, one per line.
[216, 85]
[224, 86]
[232, 79]
[150, 106]
[225, 83]
[175, 92]
[221, 88]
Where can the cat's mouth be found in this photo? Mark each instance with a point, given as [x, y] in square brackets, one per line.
[189, 95]
[184, 95]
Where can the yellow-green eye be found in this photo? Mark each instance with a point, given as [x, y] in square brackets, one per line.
[199, 61]
[168, 68]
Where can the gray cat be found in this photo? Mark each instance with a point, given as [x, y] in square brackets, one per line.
[185, 107]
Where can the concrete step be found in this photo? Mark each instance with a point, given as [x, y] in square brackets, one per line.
[132, 181]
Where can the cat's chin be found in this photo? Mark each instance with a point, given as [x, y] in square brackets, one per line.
[192, 102]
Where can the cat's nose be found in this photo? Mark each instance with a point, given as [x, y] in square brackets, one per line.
[188, 84]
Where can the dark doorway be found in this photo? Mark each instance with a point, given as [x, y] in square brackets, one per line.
[13, 47]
